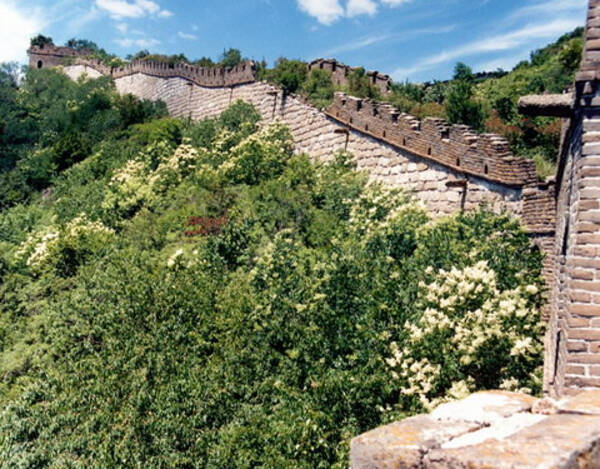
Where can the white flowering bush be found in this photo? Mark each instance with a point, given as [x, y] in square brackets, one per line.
[471, 335]
[376, 207]
[145, 178]
[259, 156]
[63, 248]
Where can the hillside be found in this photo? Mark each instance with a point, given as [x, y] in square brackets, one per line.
[194, 295]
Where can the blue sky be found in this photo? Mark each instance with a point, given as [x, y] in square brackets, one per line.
[415, 39]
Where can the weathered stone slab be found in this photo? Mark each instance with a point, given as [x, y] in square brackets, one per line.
[500, 430]
[557, 442]
[403, 444]
[491, 430]
[585, 403]
[485, 407]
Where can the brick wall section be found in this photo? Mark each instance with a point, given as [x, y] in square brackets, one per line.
[320, 135]
[573, 342]
[75, 71]
[213, 77]
[457, 146]
[339, 73]
[590, 64]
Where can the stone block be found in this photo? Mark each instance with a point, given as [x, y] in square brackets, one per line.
[485, 407]
[586, 403]
[553, 442]
[403, 444]
[491, 430]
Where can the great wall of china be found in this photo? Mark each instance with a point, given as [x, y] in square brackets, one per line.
[449, 168]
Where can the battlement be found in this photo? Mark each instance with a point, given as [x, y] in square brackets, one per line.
[340, 72]
[211, 77]
[590, 64]
[457, 146]
[51, 55]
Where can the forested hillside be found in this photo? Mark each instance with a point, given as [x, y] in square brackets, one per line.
[194, 295]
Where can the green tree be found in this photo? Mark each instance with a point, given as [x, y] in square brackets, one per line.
[139, 55]
[359, 85]
[205, 62]
[82, 45]
[289, 74]
[41, 41]
[461, 108]
[318, 87]
[231, 58]
[463, 72]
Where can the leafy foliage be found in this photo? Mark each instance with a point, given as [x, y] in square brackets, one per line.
[41, 41]
[130, 339]
[231, 58]
[460, 107]
[50, 123]
[359, 85]
[289, 74]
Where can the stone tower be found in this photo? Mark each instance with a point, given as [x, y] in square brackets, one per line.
[49, 56]
[573, 341]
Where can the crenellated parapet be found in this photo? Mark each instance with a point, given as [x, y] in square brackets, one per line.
[210, 77]
[339, 73]
[590, 63]
[456, 146]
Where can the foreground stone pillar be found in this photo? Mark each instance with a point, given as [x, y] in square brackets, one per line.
[489, 430]
[573, 343]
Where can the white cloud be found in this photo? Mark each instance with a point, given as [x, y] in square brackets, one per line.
[394, 3]
[122, 27]
[355, 45]
[361, 7]
[377, 38]
[141, 43]
[120, 9]
[329, 11]
[17, 27]
[504, 63]
[501, 42]
[188, 36]
[325, 11]
[548, 8]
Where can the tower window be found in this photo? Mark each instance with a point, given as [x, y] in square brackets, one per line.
[40, 64]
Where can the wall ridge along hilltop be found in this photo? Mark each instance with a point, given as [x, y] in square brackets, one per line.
[448, 168]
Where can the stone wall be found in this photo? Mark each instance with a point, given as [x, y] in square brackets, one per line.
[573, 342]
[339, 74]
[72, 60]
[49, 56]
[441, 188]
[448, 168]
[76, 71]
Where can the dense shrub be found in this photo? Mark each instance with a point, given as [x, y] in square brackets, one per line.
[289, 74]
[318, 88]
[197, 295]
[50, 123]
